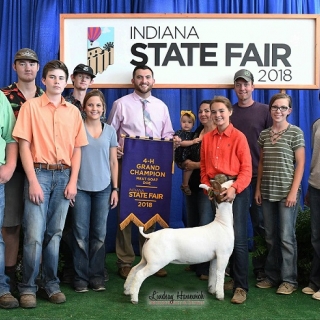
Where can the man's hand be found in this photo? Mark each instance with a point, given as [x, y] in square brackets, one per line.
[119, 152]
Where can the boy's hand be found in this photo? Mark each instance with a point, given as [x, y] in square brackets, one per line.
[35, 193]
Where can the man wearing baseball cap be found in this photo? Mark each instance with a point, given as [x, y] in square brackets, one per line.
[82, 78]
[26, 54]
[250, 117]
[244, 74]
[26, 65]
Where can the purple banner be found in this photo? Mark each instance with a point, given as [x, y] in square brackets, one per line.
[146, 178]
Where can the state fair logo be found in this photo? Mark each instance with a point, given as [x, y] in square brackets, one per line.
[100, 44]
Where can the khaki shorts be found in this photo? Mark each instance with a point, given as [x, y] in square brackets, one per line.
[14, 202]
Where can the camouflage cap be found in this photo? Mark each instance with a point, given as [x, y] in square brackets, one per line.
[26, 54]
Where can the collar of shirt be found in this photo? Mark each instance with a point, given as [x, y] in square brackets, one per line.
[45, 101]
[137, 97]
[13, 87]
[226, 132]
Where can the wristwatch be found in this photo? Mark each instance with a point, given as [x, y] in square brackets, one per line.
[116, 189]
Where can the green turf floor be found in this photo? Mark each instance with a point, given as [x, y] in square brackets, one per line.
[113, 304]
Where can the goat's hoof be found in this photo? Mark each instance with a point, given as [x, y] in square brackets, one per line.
[126, 292]
[134, 302]
[211, 290]
[220, 298]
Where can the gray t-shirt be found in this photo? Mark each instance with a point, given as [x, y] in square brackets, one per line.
[314, 178]
[94, 174]
[279, 162]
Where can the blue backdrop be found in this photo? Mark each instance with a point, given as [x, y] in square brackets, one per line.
[35, 24]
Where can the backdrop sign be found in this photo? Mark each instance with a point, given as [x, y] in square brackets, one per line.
[195, 50]
[146, 178]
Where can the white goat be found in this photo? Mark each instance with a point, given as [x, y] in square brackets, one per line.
[213, 242]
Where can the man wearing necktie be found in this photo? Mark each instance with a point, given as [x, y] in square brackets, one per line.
[147, 119]
[138, 114]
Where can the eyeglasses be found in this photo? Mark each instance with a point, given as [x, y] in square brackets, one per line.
[282, 108]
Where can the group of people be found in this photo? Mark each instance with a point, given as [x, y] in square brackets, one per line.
[58, 138]
[57, 141]
[254, 145]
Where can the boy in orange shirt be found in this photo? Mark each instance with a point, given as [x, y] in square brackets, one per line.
[50, 133]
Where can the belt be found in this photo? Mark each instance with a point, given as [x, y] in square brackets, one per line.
[46, 166]
[221, 178]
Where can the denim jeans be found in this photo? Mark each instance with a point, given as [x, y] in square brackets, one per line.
[42, 226]
[280, 227]
[89, 227]
[4, 280]
[257, 226]
[314, 200]
[199, 209]
[239, 261]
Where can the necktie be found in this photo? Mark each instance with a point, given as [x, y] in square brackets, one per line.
[147, 119]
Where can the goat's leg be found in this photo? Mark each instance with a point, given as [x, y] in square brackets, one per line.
[222, 262]
[131, 275]
[141, 275]
[212, 276]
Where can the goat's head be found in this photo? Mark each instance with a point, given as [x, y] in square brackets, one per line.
[217, 188]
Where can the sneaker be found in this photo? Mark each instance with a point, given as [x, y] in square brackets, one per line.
[308, 290]
[81, 289]
[286, 288]
[229, 285]
[161, 273]
[239, 296]
[316, 295]
[98, 287]
[28, 301]
[260, 275]
[265, 284]
[58, 297]
[8, 301]
[124, 271]
[204, 277]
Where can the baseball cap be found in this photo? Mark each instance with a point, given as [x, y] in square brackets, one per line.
[26, 54]
[244, 74]
[82, 68]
